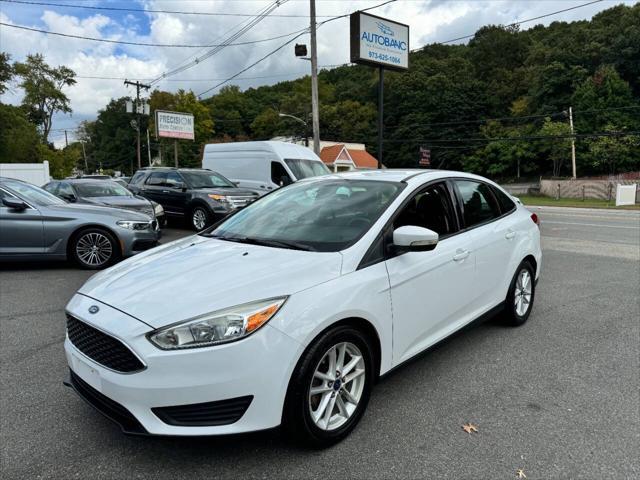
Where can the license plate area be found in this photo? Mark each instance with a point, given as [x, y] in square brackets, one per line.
[86, 372]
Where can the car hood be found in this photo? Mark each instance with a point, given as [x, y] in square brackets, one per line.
[198, 275]
[140, 204]
[77, 209]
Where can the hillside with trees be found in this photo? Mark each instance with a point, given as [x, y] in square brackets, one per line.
[496, 106]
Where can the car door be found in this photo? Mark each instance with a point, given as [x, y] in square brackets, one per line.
[175, 197]
[21, 231]
[493, 239]
[430, 290]
[154, 188]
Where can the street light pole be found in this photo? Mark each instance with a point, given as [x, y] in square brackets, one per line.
[314, 80]
[306, 126]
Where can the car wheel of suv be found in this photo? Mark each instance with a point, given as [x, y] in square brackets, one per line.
[200, 218]
[94, 249]
[330, 388]
[521, 295]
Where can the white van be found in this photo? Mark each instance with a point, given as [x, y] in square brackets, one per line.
[262, 166]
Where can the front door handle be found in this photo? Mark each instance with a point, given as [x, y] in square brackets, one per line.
[510, 234]
[461, 255]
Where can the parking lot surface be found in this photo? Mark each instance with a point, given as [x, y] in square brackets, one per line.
[557, 398]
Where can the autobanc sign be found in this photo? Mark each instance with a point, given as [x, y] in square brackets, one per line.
[379, 42]
[174, 125]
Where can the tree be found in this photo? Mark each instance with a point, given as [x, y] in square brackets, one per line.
[6, 71]
[558, 148]
[61, 162]
[18, 137]
[43, 95]
[618, 152]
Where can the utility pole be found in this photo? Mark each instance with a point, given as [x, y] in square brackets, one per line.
[84, 154]
[380, 113]
[148, 147]
[314, 80]
[138, 86]
[573, 145]
[66, 141]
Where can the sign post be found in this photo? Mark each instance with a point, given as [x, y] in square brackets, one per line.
[381, 43]
[174, 125]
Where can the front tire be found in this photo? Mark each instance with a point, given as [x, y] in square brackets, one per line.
[94, 249]
[330, 388]
[200, 218]
[521, 296]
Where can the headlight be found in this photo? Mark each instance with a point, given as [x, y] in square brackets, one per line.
[218, 198]
[134, 224]
[158, 210]
[217, 327]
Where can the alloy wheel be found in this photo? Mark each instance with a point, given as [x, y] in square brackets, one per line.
[94, 249]
[522, 294]
[337, 386]
[199, 219]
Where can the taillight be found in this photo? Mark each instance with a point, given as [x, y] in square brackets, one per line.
[535, 219]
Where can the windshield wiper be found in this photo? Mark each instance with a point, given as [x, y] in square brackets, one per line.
[268, 242]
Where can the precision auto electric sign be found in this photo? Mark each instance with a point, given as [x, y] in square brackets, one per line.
[174, 125]
[378, 41]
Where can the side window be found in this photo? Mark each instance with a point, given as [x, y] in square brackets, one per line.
[137, 178]
[506, 204]
[432, 209]
[4, 195]
[52, 187]
[157, 179]
[65, 190]
[479, 204]
[279, 175]
[174, 179]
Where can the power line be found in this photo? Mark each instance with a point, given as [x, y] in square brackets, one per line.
[141, 44]
[287, 43]
[142, 10]
[518, 138]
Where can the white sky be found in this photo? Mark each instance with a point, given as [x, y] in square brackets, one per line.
[429, 20]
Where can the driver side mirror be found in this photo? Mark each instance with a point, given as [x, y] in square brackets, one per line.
[285, 180]
[69, 197]
[14, 203]
[411, 238]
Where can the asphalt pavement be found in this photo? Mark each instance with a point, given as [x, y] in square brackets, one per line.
[558, 398]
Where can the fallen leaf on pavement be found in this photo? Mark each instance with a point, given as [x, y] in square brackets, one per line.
[520, 473]
[470, 427]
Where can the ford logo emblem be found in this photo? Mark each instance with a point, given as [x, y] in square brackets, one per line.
[94, 309]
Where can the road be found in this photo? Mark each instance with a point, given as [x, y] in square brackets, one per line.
[558, 397]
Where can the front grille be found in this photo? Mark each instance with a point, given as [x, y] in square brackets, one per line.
[109, 408]
[141, 245]
[239, 201]
[102, 348]
[209, 414]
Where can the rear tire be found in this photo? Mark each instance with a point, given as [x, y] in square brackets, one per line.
[522, 291]
[328, 413]
[94, 249]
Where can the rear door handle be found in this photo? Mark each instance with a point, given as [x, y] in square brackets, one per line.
[461, 255]
[510, 234]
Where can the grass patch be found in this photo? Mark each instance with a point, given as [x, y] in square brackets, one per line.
[573, 202]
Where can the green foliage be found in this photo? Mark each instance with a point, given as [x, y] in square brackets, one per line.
[615, 154]
[558, 147]
[6, 71]
[18, 137]
[43, 95]
[61, 162]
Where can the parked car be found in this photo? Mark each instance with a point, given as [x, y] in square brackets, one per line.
[263, 166]
[36, 225]
[107, 193]
[288, 311]
[201, 196]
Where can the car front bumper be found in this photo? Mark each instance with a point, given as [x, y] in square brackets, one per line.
[136, 241]
[258, 366]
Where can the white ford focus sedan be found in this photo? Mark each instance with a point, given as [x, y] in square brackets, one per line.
[287, 312]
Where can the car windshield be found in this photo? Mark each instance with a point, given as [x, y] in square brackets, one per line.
[306, 168]
[206, 180]
[101, 189]
[33, 194]
[325, 216]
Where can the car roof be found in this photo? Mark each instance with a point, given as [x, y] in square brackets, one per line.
[87, 181]
[410, 176]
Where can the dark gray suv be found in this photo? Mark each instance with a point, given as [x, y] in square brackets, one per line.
[201, 196]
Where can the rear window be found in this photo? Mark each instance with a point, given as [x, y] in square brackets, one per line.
[137, 178]
[506, 203]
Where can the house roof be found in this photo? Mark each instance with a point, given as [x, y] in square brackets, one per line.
[361, 158]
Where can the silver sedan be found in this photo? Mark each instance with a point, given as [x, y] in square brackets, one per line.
[35, 224]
